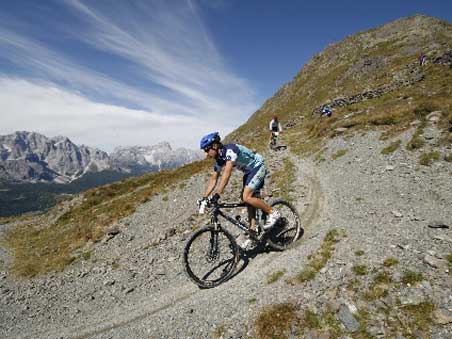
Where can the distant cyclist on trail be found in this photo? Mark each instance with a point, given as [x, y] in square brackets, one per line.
[421, 58]
[274, 126]
[326, 110]
[251, 164]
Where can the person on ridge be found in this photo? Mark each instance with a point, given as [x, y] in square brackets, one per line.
[421, 57]
[252, 165]
[326, 110]
[274, 126]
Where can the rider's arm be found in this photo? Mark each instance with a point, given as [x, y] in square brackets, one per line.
[226, 175]
[212, 183]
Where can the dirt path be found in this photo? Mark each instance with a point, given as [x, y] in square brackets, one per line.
[186, 311]
[175, 307]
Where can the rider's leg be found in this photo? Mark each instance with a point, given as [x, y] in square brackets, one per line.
[255, 202]
[253, 182]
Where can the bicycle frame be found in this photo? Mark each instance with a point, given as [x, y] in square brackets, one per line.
[216, 211]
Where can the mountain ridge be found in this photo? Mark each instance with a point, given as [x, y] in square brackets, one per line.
[30, 156]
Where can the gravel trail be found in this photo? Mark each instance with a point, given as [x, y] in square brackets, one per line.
[134, 285]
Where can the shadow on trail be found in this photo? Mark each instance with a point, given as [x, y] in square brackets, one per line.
[278, 147]
[246, 256]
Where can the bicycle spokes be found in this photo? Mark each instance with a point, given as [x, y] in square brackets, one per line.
[210, 256]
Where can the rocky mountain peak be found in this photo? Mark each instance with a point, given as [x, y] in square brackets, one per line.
[30, 156]
[141, 159]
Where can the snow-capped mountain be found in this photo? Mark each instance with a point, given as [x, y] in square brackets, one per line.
[33, 157]
[140, 159]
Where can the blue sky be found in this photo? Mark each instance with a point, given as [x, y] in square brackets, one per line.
[109, 73]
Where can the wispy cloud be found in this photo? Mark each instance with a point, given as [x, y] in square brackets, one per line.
[173, 70]
[53, 111]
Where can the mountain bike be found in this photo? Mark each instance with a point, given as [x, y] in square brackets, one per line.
[212, 253]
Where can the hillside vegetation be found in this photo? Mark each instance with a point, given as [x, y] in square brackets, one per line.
[48, 242]
[372, 80]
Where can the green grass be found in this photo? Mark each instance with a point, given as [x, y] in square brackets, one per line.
[411, 277]
[86, 255]
[331, 323]
[427, 158]
[339, 154]
[275, 321]
[285, 179]
[311, 320]
[275, 276]
[419, 319]
[360, 269]
[389, 262]
[416, 142]
[449, 261]
[382, 278]
[306, 274]
[379, 287]
[359, 253]
[318, 259]
[391, 148]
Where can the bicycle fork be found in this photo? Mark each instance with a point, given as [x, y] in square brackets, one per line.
[214, 251]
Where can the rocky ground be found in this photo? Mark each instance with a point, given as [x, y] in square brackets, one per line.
[393, 221]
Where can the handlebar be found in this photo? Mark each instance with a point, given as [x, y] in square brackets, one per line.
[209, 203]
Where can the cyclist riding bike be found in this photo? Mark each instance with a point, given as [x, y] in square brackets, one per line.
[274, 127]
[251, 164]
[326, 110]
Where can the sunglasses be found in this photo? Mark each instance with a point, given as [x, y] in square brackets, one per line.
[207, 149]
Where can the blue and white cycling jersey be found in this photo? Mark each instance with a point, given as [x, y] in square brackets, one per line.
[244, 159]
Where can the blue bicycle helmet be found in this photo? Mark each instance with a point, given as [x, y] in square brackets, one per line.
[209, 139]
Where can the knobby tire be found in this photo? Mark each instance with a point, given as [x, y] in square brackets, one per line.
[200, 253]
[287, 229]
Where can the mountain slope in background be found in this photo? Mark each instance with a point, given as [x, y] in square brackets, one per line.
[143, 159]
[371, 80]
[32, 157]
[36, 170]
[29, 156]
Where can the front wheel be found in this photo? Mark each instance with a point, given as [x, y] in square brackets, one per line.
[210, 256]
[287, 229]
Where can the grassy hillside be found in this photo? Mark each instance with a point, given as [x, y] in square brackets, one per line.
[372, 80]
[47, 242]
[26, 197]
[382, 63]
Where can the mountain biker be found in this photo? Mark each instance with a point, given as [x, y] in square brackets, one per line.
[252, 165]
[326, 110]
[274, 126]
[421, 57]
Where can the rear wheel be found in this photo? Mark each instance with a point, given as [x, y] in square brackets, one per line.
[287, 229]
[210, 256]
